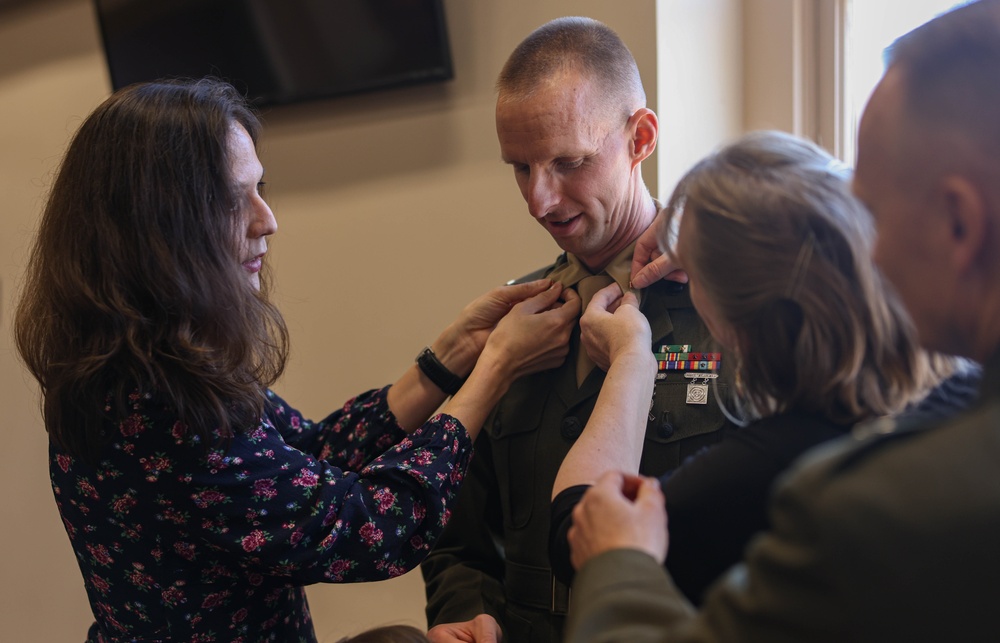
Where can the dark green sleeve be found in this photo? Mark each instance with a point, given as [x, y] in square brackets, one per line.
[624, 595]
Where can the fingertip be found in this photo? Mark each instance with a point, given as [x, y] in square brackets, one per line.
[641, 279]
[679, 276]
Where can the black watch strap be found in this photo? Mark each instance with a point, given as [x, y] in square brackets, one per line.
[438, 372]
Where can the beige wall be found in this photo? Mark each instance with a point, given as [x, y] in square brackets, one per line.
[699, 80]
[394, 210]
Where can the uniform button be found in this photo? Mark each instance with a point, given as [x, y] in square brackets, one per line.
[665, 428]
[571, 427]
[497, 425]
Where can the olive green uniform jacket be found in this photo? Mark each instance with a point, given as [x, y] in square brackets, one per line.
[493, 555]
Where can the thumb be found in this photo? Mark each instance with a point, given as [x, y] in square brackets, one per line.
[606, 296]
[542, 300]
[629, 299]
[514, 293]
[648, 274]
[649, 493]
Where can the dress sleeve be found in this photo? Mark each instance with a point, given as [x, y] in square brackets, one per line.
[265, 505]
[347, 438]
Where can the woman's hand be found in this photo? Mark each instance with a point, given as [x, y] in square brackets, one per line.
[460, 344]
[649, 264]
[482, 629]
[612, 325]
[534, 335]
[619, 512]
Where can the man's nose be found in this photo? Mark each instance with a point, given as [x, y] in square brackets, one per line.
[542, 194]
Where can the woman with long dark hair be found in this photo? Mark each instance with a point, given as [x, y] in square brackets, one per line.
[199, 503]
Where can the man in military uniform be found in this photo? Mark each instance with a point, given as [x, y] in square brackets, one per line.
[890, 535]
[573, 125]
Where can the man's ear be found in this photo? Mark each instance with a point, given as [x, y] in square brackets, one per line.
[968, 222]
[643, 128]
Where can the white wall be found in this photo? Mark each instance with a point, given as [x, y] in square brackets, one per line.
[700, 81]
[394, 210]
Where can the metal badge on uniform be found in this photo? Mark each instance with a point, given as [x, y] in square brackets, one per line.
[699, 369]
[697, 392]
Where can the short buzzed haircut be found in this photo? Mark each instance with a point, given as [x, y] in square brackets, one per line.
[951, 67]
[574, 43]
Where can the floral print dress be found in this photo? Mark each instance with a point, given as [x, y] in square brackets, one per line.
[179, 544]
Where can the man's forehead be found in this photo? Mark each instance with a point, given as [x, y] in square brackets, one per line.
[879, 126]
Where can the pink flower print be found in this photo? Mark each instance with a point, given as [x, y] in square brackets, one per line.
[174, 516]
[215, 600]
[296, 537]
[154, 465]
[295, 422]
[70, 529]
[417, 543]
[132, 533]
[240, 615]
[386, 500]
[254, 540]
[419, 512]
[173, 596]
[64, 461]
[122, 505]
[100, 554]
[327, 542]
[100, 584]
[178, 431]
[264, 488]
[132, 425]
[255, 579]
[423, 457]
[306, 478]
[209, 497]
[185, 550]
[86, 489]
[139, 578]
[338, 568]
[371, 534]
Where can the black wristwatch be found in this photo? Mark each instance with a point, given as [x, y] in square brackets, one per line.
[438, 372]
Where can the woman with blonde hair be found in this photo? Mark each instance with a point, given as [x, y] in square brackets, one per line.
[777, 251]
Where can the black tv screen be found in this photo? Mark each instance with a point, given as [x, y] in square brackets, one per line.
[278, 51]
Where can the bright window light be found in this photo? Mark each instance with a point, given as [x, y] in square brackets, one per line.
[873, 25]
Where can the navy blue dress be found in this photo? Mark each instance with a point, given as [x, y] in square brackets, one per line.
[177, 543]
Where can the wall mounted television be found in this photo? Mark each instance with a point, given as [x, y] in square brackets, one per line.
[278, 51]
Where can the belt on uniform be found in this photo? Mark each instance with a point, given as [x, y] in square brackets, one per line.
[536, 587]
